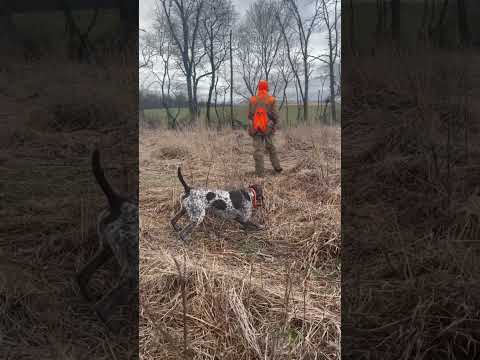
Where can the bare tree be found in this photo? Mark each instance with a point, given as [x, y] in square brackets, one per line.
[128, 21]
[303, 26]
[463, 23]
[433, 18]
[331, 18]
[159, 50]
[230, 48]
[285, 73]
[258, 45]
[395, 7]
[83, 50]
[183, 23]
[147, 52]
[247, 63]
[381, 20]
[352, 26]
[265, 33]
[214, 32]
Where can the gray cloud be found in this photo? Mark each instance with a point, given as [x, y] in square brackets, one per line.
[146, 13]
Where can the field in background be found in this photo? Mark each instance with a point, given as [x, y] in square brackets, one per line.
[50, 203]
[287, 118]
[250, 295]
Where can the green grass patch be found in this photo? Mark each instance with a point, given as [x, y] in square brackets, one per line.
[291, 116]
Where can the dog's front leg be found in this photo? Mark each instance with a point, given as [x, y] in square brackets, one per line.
[186, 232]
[177, 217]
[249, 225]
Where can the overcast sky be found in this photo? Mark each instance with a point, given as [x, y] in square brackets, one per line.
[147, 7]
[318, 42]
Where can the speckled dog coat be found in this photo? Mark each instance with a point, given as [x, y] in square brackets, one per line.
[235, 205]
[117, 231]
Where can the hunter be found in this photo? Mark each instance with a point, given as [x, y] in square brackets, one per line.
[263, 120]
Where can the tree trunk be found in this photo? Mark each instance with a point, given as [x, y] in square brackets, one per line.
[212, 84]
[380, 20]
[441, 24]
[331, 67]
[191, 107]
[332, 95]
[305, 95]
[463, 23]
[396, 20]
[209, 100]
[231, 81]
[128, 19]
[352, 28]
[8, 31]
[298, 105]
[286, 109]
[422, 30]
[223, 105]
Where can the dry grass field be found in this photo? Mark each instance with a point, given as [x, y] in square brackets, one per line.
[50, 202]
[410, 211]
[273, 294]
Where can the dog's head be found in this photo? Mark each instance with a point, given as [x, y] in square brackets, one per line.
[258, 200]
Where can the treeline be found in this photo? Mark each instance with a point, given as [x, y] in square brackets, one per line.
[152, 100]
[439, 23]
[85, 31]
[194, 42]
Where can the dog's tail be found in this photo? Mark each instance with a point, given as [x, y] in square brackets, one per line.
[115, 200]
[185, 186]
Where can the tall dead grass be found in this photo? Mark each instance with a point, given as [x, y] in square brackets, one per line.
[264, 295]
[410, 254]
[50, 202]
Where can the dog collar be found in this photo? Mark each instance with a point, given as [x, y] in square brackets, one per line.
[254, 199]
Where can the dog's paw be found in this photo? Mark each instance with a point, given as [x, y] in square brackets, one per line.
[253, 227]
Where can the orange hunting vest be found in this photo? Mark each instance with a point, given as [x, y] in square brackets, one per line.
[261, 106]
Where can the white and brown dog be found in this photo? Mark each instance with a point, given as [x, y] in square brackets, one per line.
[117, 231]
[235, 205]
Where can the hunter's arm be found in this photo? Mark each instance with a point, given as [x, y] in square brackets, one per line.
[273, 114]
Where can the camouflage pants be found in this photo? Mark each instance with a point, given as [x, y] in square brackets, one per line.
[259, 141]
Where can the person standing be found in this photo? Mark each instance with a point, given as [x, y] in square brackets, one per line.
[263, 120]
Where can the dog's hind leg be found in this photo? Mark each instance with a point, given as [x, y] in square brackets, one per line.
[177, 217]
[186, 232]
[84, 275]
[119, 295]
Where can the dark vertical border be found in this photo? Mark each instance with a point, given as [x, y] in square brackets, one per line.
[68, 85]
[410, 155]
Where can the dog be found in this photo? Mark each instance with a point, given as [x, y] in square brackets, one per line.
[117, 232]
[235, 205]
